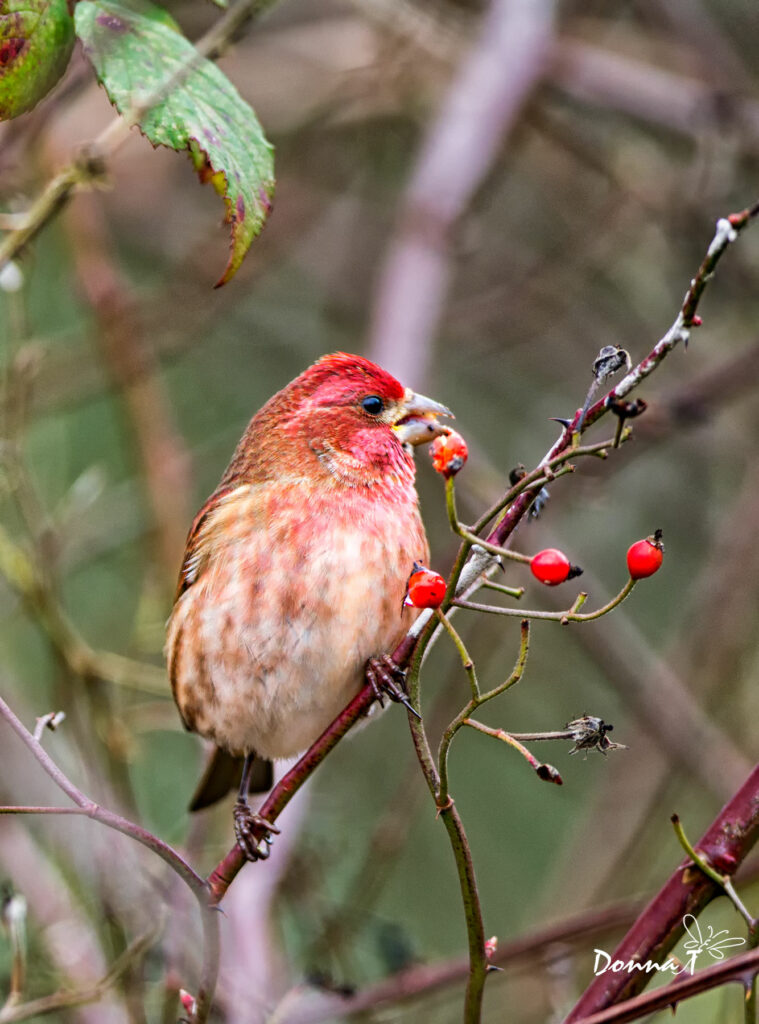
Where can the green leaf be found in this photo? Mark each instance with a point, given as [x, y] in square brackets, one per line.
[141, 57]
[36, 40]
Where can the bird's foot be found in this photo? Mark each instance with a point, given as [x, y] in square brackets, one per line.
[388, 679]
[253, 833]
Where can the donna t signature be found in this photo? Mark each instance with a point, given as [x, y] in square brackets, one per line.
[699, 942]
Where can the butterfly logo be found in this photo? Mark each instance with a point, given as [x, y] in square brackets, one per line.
[710, 942]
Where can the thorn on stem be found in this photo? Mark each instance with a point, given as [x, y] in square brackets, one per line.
[444, 807]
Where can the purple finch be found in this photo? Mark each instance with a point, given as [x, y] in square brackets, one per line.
[296, 566]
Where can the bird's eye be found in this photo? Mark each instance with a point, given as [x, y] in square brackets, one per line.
[373, 404]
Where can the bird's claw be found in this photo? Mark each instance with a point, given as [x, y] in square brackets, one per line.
[388, 679]
[253, 833]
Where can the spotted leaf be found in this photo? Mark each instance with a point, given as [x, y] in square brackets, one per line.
[36, 40]
[180, 100]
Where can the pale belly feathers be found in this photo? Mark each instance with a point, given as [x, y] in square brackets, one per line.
[281, 636]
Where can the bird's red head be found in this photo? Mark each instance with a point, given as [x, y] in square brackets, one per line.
[344, 414]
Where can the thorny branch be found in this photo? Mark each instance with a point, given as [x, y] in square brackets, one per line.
[660, 925]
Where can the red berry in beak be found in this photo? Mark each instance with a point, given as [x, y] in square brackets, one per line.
[449, 453]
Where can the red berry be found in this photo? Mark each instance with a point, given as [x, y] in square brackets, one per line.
[449, 453]
[553, 567]
[644, 557]
[426, 589]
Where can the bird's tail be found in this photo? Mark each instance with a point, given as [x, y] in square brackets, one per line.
[223, 772]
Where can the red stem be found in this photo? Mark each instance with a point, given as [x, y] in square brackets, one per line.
[225, 871]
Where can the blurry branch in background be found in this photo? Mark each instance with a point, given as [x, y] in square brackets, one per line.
[66, 999]
[25, 575]
[133, 367]
[498, 75]
[310, 1006]
[85, 806]
[592, 74]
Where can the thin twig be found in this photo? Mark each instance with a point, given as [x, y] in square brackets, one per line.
[66, 999]
[716, 876]
[570, 615]
[466, 659]
[194, 882]
[544, 771]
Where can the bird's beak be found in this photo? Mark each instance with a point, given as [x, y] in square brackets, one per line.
[417, 420]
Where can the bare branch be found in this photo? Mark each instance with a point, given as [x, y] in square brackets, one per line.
[65, 999]
[115, 821]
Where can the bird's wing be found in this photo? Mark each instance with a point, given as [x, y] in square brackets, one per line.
[221, 516]
[208, 523]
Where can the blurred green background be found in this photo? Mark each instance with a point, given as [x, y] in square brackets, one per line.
[128, 380]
